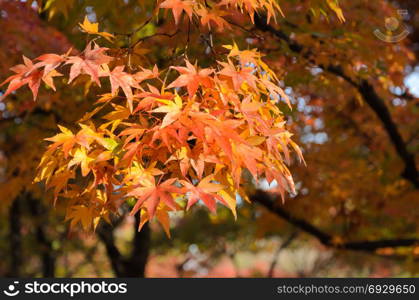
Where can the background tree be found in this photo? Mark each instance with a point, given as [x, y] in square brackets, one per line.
[353, 116]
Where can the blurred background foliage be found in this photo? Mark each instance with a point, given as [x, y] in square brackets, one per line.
[358, 185]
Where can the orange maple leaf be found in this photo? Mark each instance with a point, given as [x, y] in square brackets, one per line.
[124, 80]
[240, 76]
[27, 73]
[90, 63]
[154, 193]
[192, 77]
[214, 16]
[178, 6]
[205, 191]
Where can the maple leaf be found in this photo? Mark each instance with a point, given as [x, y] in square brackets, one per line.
[214, 16]
[181, 155]
[154, 193]
[93, 28]
[27, 73]
[249, 157]
[87, 135]
[271, 7]
[162, 215]
[172, 110]
[240, 76]
[82, 158]
[124, 80]
[205, 191]
[80, 214]
[245, 56]
[178, 6]
[137, 174]
[146, 74]
[46, 167]
[192, 77]
[89, 27]
[48, 78]
[116, 116]
[274, 90]
[132, 132]
[50, 61]
[228, 193]
[60, 181]
[224, 134]
[149, 98]
[333, 4]
[90, 63]
[66, 139]
[252, 6]
[249, 5]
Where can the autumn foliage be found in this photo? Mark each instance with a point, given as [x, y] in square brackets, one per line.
[165, 139]
[238, 127]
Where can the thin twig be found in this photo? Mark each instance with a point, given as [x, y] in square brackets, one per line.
[170, 35]
[281, 247]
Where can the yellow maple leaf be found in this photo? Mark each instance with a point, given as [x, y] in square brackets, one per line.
[333, 4]
[93, 28]
[80, 214]
[162, 215]
[173, 109]
[81, 158]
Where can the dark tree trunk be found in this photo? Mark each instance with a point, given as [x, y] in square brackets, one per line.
[15, 238]
[140, 250]
[105, 233]
[46, 250]
[132, 265]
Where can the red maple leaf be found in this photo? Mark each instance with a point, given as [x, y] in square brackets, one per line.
[88, 63]
[153, 194]
[192, 77]
[27, 73]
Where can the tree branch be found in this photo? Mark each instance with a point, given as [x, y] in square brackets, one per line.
[281, 247]
[367, 92]
[326, 239]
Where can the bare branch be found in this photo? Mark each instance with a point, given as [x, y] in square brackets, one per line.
[326, 239]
